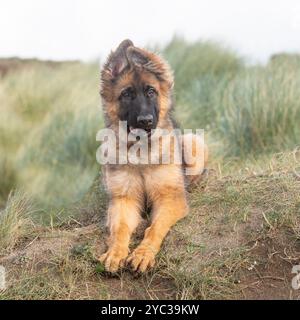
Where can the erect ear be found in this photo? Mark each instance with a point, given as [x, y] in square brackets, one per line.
[151, 62]
[137, 57]
[117, 60]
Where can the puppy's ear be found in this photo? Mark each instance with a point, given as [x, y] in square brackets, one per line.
[137, 57]
[151, 62]
[117, 61]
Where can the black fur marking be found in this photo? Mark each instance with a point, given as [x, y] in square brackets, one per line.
[136, 101]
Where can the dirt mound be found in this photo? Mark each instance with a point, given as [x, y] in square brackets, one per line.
[233, 244]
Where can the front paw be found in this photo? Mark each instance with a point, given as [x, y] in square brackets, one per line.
[142, 258]
[114, 258]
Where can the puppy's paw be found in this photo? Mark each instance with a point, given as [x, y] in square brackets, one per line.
[114, 258]
[142, 258]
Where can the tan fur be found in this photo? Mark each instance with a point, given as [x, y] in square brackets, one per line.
[196, 164]
[129, 185]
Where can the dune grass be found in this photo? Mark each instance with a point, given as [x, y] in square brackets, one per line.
[15, 220]
[261, 111]
[252, 109]
[48, 132]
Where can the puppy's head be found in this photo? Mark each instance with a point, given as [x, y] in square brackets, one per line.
[136, 87]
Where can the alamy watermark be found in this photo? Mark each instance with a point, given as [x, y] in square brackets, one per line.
[158, 146]
[2, 278]
[296, 278]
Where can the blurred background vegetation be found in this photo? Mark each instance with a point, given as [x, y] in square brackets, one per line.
[50, 113]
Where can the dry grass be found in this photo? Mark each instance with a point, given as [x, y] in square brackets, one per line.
[15, 221]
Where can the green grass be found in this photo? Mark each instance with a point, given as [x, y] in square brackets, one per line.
[251, 109]
[15, 220]
[49, 131]
[261, 111]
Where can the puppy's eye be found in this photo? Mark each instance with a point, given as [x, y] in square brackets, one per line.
[127, 93]
[151, 92]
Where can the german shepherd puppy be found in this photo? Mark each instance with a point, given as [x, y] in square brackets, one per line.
[136, 86]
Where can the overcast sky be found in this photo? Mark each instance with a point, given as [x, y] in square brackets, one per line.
[87, 29]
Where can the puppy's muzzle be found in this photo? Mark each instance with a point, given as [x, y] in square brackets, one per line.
[145, 121]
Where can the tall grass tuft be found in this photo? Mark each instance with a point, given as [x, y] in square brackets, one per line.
[8, 175]
[14, 220]
[49, 132]
[251, 109]
[197, 60]
[260, 111]
[201, 70]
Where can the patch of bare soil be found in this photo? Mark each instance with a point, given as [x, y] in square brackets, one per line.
[63, 247]
[270, 274]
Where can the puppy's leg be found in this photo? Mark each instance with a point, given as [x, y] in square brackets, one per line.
[169, 205]
[123, 217]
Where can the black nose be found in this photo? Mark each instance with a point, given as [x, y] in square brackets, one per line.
[145, 121]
